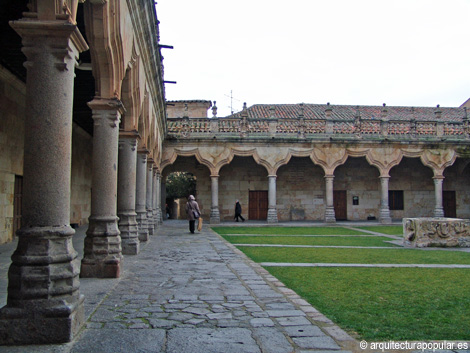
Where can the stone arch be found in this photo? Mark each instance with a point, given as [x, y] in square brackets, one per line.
[130, 94]
[104, 23]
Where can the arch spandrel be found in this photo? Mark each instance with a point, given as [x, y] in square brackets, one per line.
[384, 158]
[329, 158]
[438, 160]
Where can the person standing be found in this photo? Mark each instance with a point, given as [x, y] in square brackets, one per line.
[193, 212]
[238, 211]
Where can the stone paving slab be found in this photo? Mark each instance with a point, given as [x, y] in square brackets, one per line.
[194, 293]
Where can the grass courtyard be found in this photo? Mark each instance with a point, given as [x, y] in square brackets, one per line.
[372, 303]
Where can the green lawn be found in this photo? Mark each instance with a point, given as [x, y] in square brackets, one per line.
[287, 230]
[391, 230]
[387, 304]
[359, 256]
[308, 240]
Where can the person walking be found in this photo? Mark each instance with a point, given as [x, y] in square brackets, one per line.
[238, 211]
[193, 212]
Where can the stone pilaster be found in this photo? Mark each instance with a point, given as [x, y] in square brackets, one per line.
[330, 209]
[141, 195]
[44, 304]
[126, 193]
[102, 252]
[215, 213]
[272, 204]
[439, 209]
[384, 207]
[149, 198]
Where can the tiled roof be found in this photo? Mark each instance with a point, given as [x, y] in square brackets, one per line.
[348, 112]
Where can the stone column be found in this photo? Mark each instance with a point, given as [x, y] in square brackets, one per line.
[149, 197]
[141, 195]
[102, 252]
[330, 209]
[163, 197]
[439, 209]
[215, 213]
[384, 207]
[126, 193]
[44, 304]
[158, 198]
[154, 198]
[272, 207]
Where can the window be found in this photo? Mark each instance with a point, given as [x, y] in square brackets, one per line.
[395, 199]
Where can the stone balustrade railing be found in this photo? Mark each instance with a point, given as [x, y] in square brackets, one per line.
[313, 129]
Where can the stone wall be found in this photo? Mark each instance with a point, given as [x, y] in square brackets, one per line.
[457, 178]
[12, 93]
[82, 148]
[235, 182]
[360, 180]
[417, 184]
[300, 191]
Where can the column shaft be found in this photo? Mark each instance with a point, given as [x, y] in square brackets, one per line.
[384, 207]
[272, 205]
[330, 209]
[102, 252]
[44, 304]
[439, 209]
[149, 198]
[141, 196]
[126, 195]
[215, 213]
[158, 198]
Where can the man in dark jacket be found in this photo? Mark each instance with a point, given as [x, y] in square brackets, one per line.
[238, 211]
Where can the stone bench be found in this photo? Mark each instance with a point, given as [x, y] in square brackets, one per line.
[436, 232]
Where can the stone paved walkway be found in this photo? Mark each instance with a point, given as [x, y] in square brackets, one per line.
[192, 293]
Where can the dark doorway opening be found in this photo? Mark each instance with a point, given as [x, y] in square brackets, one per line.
[449, 204]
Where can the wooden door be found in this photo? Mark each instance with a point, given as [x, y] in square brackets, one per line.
[449, 204]
[340, 205]
[258, 205]
[17, 204]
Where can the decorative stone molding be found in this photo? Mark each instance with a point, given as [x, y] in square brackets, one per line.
[436, 232]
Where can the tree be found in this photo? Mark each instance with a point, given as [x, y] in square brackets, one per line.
[180, 184]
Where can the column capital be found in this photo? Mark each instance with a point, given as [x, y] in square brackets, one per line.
[52, 31]
[111, 104]
[143, 151]
[215, 175]
[129, 134]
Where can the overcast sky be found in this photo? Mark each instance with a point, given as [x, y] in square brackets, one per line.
[361, 52]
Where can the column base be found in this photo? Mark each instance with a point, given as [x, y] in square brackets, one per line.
[143, 229]
[41, 322]
[44, 265]
[159, 218]
[150, 222]
[385, 216]
[330, 216]
[272, 215]
[102, 252]
[439, 212]
[129, 233]
[215, 216]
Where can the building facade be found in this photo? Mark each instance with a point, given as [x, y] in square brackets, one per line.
[87, 138]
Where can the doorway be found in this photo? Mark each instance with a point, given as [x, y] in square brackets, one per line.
[340, 205]
[258, 205]
[449, 204]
